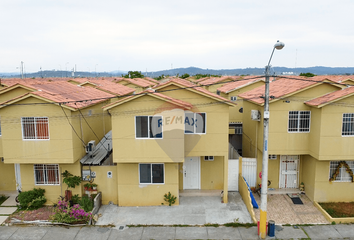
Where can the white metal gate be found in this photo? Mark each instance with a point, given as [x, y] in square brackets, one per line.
[233, 175]
[18, 176]
[249, 170]
[289, 174]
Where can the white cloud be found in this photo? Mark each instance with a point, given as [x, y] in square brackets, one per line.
[139, 34]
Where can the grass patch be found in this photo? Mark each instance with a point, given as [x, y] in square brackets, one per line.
[236, 224]
[211, 225]
[3, 199]
[339, 209]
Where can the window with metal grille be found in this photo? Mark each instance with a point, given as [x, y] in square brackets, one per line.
[151, 173]
[348, 124]
[238, 130]
[343, 175]
[148, 127]
[35, 128]
[46, 174]
[272, 156]
[299, 121]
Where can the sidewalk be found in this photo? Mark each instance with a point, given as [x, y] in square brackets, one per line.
[86, 233]
[9, 206]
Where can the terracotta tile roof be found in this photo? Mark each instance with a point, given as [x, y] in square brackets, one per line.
[334, 78]
[150, 92]
[114, 88]
[137, 81]
[193, 87]
[330, 97]
[239, 83]
[67, 93]
[151, 80]
[213, 80]
[278, 88]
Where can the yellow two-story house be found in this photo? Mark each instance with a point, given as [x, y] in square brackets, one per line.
[298, 129]
[168, 139]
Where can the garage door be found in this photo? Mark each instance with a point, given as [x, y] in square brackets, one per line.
[233, 175]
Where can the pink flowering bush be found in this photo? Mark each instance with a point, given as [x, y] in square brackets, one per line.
[66, 214]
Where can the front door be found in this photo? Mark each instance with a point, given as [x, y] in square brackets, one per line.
[289, 171]
[191, 173]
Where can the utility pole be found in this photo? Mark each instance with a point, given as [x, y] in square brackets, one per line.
[264, 188]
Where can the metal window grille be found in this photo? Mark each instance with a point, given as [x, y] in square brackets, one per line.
[343, 176]
[348, 124]
[46, 174]
[35, 128]
[299, 121]
[238, 130]
[272, 156]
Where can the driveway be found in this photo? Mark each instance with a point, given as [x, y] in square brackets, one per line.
[191, 211]
[282, 210]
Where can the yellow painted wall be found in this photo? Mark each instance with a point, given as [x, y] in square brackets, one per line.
[133, 86]
[326, 191]
[52, 192]
[131, 193]
[333, 145]
[58, 149]
[7, 177]
[273, 172]
[235, 115]
[108, 186]
[213, 88]
[13, 94]
[63, 146]
[212, 176]
[168, 149]
[308, 173]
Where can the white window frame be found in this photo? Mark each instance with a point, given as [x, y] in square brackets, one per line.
[35, 137]
[149, 137]
[151, 183]
[194, 129]
[299, 121]
[272, 156]
[350, 120]
[343, 175]
[208, 158]
[44, 168]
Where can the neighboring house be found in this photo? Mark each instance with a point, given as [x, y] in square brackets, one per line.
[295, 130]
[45, 132]
[169, 139]
[138, 84]
[213, 83]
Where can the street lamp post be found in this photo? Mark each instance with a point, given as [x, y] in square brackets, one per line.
[264, 188]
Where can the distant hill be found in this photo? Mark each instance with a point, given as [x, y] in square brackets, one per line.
[193, 71]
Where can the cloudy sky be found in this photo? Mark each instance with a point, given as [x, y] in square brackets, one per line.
[156, 35]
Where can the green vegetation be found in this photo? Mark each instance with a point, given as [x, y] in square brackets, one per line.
[86, 203]
[198, 76]
[171, 199]
[32, 199]
[70, 179]
[339, 209]
[3, 199]
[184, 76]
[307, 74]
[133, 74]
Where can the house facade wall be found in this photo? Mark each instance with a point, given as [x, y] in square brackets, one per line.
[7, 177]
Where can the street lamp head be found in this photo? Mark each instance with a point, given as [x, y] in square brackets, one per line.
[279, 45]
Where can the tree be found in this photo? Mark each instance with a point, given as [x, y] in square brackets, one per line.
[133, 74]
[184, 76]
[307, 74]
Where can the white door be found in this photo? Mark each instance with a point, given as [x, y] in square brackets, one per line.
[249, 170]
[289, 171]
[233, 175]
[18, 176]
[191, 173]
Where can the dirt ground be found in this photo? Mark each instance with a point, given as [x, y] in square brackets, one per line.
[43, 213]
[339, 209]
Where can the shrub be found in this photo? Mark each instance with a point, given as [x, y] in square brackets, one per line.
[171, 199]
[32, 199]
[66, 214]
[86, 203]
